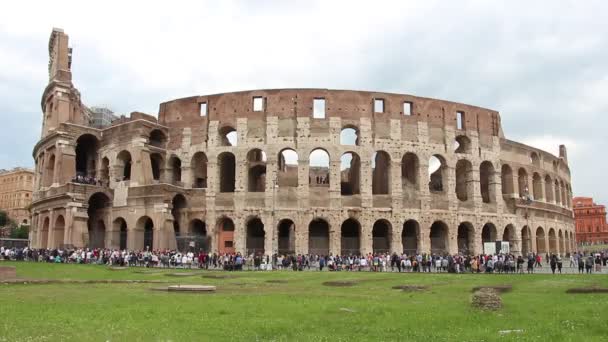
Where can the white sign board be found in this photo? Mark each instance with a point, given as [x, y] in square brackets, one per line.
[490, 247]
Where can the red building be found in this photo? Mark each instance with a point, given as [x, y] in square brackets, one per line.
[591, 226]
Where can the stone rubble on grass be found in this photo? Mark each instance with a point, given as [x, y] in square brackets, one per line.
[486, 299]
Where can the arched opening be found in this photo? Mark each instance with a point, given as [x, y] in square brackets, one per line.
[548, 189]
[488, 233]
[44, 233]
[437, 174]
[381, 237]
[227, 169]
[464, 180]
[439, 238]
[157, 163]
[537, 189]
[487, 182]
[462, 144]
[540, 241]
[350, 235]
[157, 138]
[287, 237]
[507, 180]
[318, 170]
[228, 136]
[179, 207]
[198, 228]
[534, 159]
[99, 205]
[256, 171]
[86, 155]
[175, 165]
[350, 173]
[318, 237]
[508, 235]
[145, 226]
[552, 241]
[50, 171]
[123, 165]
[199, 170]
[225, 238]
[120, 227]
[197, 239]
[465, 238]
[562, 246]
[58, 232]
[526, 241]
[410, 236]
[105, 171]
[255, 237]
[349, 136]
[409, 175]
[287, 175]
[522, 182]
[381, 173]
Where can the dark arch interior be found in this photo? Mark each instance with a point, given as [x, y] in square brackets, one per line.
[255, 236]
[286, 232]
[381, 237]
[465, 238]
[86, 155]
[439, 236]
[409, 237]
[318, 237]
[350, 237]
[227, 168]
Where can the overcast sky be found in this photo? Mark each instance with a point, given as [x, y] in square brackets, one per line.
[543, 66]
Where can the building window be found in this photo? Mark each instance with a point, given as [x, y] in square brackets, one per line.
[318, 108]
[460, 120]
[203, 108]
[258, 104]
[407, 108]
[378, 106]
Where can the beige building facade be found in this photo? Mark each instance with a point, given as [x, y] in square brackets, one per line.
[269, 171]
[16, 188]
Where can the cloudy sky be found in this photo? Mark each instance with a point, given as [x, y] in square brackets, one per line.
[542, 65]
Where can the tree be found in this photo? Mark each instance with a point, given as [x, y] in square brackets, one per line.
[4, 220]
[21, 232]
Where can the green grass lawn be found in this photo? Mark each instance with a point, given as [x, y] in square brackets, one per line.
[248, 308]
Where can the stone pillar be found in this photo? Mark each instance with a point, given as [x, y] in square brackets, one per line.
[187, 174]
[474, 187]
[240, 235]
[424, 239]
[303, 182]
[271, 187]
[270, 234]
[366, 238]
[395, 237]
[335, 236]
[65, 163]
[301, 241]
[423, 182]
[365, 181]
[396, 188]
[335, 196]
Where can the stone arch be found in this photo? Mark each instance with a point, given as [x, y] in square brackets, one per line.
[507, 180]
[87, 146]
[179, 206]
[318, 169]
[466, 238]
[438, 235]
[228, 136]
[549, 189]
[44, 233]
[350, 174]
[287, 175]
[535, 159]
[409, 174]
[255, 236]
[157, 138]
[256, 170]
[462, 144]
[552, 241]
[487, 182]
[225, 235]
[98, 207]
[488, 233]
[563, 193]
[226, 171]
[540, 241]
[537, 189]
[522, 182]
[145, 233]
[509, 235]
[58, 232]
[526, 240]
[157, 163]
[349, 135]
[410, 236]
[350, 237]
[123, 165]
[286, 235]
[50, 171]
[199, 170]
[318, 237]
[381, 173]
[175, 167]
[464, 180]
[198, 239]
[382, 232]
[120, 229]
[438, 169]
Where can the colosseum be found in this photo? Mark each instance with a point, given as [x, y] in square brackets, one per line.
[292, 171]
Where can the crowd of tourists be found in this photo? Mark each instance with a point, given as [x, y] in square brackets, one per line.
[82, 179]
[380, 262]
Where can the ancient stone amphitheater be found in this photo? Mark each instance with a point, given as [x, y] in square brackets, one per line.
[293, 170]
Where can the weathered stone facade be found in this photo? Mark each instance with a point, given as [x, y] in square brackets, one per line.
[216, 167]
[16, 187]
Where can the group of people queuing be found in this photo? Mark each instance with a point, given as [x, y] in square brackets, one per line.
[83, 179]
[379, 262]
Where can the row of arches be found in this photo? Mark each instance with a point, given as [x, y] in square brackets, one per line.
[541, 188]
